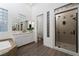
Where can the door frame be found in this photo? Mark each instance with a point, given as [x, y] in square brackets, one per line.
[37, 25]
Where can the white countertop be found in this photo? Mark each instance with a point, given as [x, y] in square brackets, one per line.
[20, 32]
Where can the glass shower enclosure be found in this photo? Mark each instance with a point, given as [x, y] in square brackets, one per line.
[66, 19]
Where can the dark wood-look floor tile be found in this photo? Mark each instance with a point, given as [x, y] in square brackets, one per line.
[37, 49]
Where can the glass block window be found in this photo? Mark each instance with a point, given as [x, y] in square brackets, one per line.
[3, 20]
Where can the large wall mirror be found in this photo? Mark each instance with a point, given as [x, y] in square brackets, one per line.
[22, 24]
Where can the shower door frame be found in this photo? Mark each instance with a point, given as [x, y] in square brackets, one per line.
[76, 28]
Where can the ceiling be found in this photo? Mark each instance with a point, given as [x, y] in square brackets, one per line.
[31, 4]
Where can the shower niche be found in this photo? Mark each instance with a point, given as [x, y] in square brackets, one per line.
[66, 18]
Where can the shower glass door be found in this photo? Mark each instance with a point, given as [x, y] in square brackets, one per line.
[66, 30]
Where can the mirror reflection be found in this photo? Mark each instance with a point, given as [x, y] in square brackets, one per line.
[22, 24]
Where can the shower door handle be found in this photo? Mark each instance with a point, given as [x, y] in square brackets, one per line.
[77, 32]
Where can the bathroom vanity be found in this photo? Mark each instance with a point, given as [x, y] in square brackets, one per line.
[22, 32]
[23, 38]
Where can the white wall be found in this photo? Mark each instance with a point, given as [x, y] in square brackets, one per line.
[13, 10]
[42, 8]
